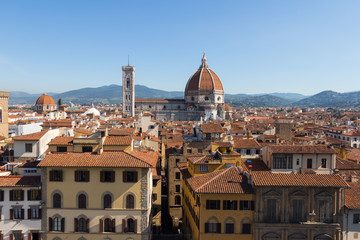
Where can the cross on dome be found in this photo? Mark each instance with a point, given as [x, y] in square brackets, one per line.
[204, 62]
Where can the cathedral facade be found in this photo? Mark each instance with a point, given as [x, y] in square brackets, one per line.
[204, 98]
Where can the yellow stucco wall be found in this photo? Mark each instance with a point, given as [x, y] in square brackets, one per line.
[94, 188]
[238, 216]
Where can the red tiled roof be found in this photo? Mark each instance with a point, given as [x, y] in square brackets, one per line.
[352, 195]
[244, 143]
[29, 164]
[343, 164]
[117, 141]
[229, 180]
[212, 128]
[294, 180]
[301, 149]
[62, 141]
[31, 137]
[19, 181]
[121, 131]
[105, 159]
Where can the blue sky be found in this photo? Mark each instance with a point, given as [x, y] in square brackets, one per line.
[254, 46]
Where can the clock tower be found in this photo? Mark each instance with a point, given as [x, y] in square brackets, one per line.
[128, 90]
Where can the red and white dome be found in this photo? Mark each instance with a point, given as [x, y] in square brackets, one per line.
[203, 80]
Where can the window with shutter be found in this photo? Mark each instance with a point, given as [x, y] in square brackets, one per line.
[82, 176]
[130, 176]
[107, 176]
[56, 175]
[1, 195]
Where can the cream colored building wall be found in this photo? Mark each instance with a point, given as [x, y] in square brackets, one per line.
[94, 190]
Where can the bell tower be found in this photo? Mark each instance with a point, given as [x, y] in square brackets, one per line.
[4, 127]
[128, 90]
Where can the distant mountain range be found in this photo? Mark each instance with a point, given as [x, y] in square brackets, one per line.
[113, 94]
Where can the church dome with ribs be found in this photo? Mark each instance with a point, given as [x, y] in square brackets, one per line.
[45, 100]
[204, 79]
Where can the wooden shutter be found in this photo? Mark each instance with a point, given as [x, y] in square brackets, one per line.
[11, 236]
[241, 207]
[1, 236]
[22, 213]
[206, 227]
[218, 227]
[22, 195]
[61, 175]
[76, 176]
[224, 204]
[235, 204]
[22, 236]
[135, 176]
[39, 195]
[11, 196]
[124, 176]
[1, 198]
[112, 176]
[11, 213]
[87, 176]
[40, 236]
[207, 204]
[101, 176]
[76, 229]
[29, 213]
[113, 225]
[101, 225]
[40, 214]
[29, 195]
[87, 225]
[29, 236]
[135, 226]
[51, 224]
[218, 204]
[123, 225]
[63, 224]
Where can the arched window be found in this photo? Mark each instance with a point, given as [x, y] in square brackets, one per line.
[82, 225]
[56, 200]
[82, 201]
[109, 225]
[57, 227]
[270, 236]
[206, 98]
[107, 201]
[323, 237]
[212, 225]
[130, 203]
[177, 200]
[229, 225]
[130, 225]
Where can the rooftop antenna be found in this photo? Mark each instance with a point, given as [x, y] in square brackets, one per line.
[128, 60]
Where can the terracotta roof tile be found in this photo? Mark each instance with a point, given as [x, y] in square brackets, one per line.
[352, 195]
[117, 141]
[301, 149]
[105, 159]
[245, 143]
[229, 180]
[31, 137]
[293, 180]
[19, 181]
[212, 128]
[121, 131]
[62, 141]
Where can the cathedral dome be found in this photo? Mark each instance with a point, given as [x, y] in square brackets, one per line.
[45, 100]
[204, 79]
